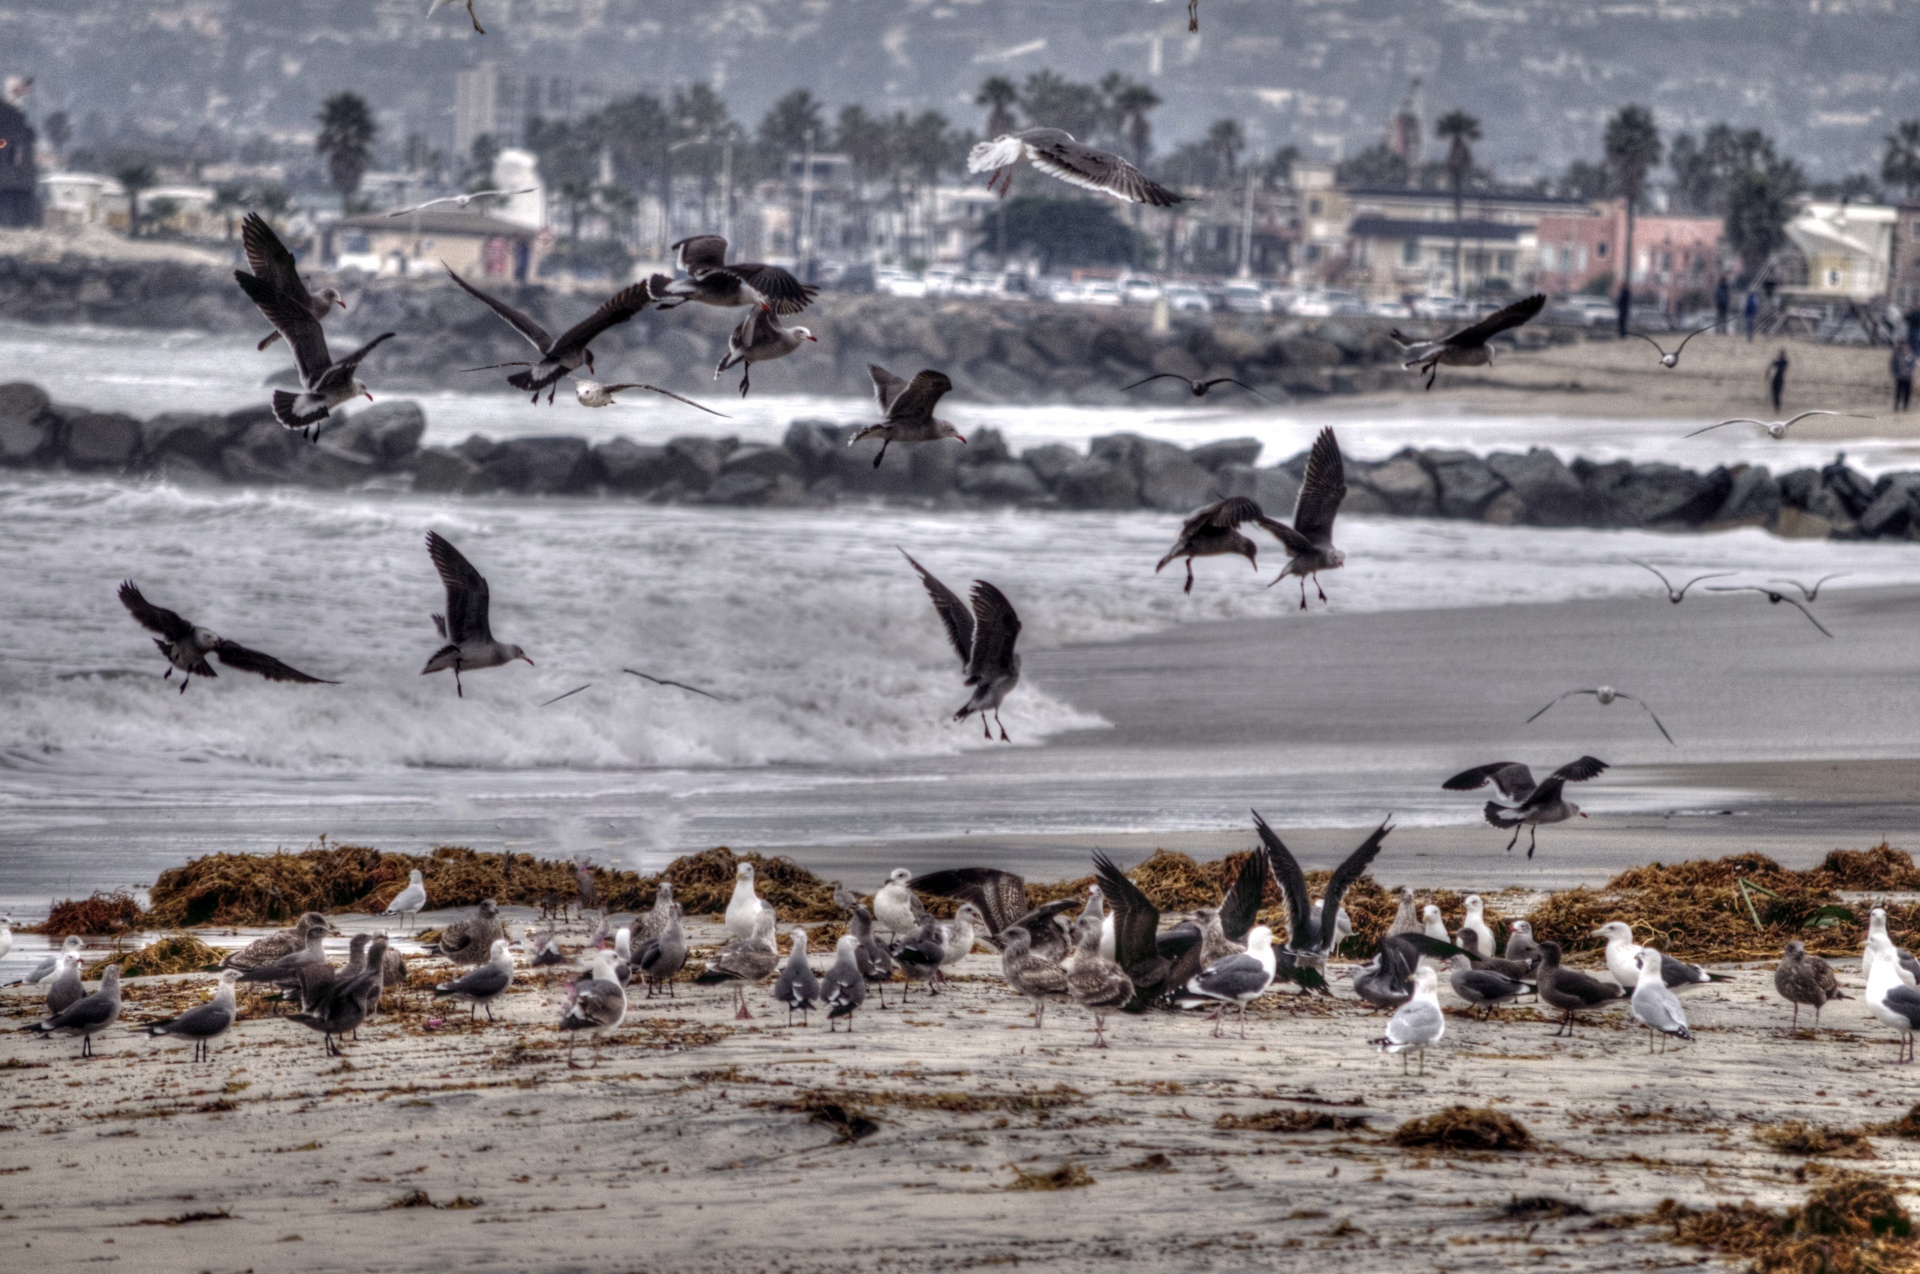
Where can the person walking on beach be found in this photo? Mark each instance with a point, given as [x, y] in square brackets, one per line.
[1722, 303]
[1752, 312]
[1777, 377]
[1902, 367]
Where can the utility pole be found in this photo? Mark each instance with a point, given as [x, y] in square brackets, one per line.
[726, 187]
[806, 211]
[1246, 229]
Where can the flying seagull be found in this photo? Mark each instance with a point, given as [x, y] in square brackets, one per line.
[1309, 541]
[1678, 595]
[565, 353]
[1211, 533]
[1311, 935]
[187, 646]
[1811, 594]
[759, 338]
[438, 5]
[1670, 361]
[713, 280]
[984, 639]
[325, 383]
[469, 638]
[1468, 347]
[1770, 595]
[1605, 695]
[461, 201]
[1774, 428]
[1054, 152]
[909, 409]
[591, 393]
[1199, 388]
[270, 261]
[1536, 805]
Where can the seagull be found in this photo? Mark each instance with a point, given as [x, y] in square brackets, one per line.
[484, 985]
[462, 201]
[1386, 981]
[563, 354]
[1037, 976]
[438, 5]
[272, 947]
[1468, 347]
[470, 644]
[470, 941]
[1406, 916]
[412, 900]
[1199, 388]
[745, 906]
[1520, 943]
[66, 989]
[1570, 990]
[1811, 594]
[1210, 533]
[6, 938]
[1654, 1006]
[844, 899]
[895, 906]
[1890, 998]
[662, 958]
[844, 989]
[1239, 979]
[1311, 939]
[271, 263]
[711, 280]
[759, 338]
[1509, 966]
[744, 960]
[650, 926]
[1676, 596]
[349, 1002]
[984, 640]
[797, 987]
[89, 1015]
[1476, 923]
[1483, 988]
[1879, 941]
[599, 1005]
[1309, 541]
[324, 383]
[1537, 805]
[187, 646]
[1773, 428]
[1671, 361]
[1805, 979]
[1623, 961]
[1418, 1023]
[1605, 695]
[909, 410]
[938, 944]
[1001, 899]
[1096, 983]
[1054, 152]
[1771, 596]
[205, 1023]
[591, 393]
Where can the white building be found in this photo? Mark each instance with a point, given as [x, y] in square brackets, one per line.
[494, 101]
[71, 200]
[1847, 249]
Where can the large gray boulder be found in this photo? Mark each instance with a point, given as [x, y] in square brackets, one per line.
[695, 459]
[1095, 483]
[1008, 483]
[1655, 494]
[444, 471]
[260, 453]
[986, 446]
[1408, 489]
[1546, 489]
[768, 462]
[1895, 509]
[99, 439]
[1212, 455]
[1463, 483]
[633, 468]
[1753, 497]
[388, 432]
[817, 445]
[199, 437]
[1169, 479]
[26, 431]
[1050, 462]
[1849, 486]
[1274, 490]
[557, 464]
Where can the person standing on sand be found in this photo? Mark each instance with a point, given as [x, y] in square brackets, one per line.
[1722, 303]
[1901, 365]
[1777, 377]
[1752, 312]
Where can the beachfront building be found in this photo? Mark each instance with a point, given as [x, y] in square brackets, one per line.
[1676, 259]
[1837, 252]
[188, 211]
[1402, 242]
[69, 201]
[475, 244]
[1906, 257]
[19, 196]
[495, 101]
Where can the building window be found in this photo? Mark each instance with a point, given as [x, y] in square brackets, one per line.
[1600, 250]
[1410, 252]
[1505, 263]
[1315, 207]
[1833, 278]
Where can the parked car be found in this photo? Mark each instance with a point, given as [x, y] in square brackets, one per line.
[893, 284]
[1138, 289]
[1327, 303]
[1585, 311]
[1185, 298]
[939, 280]
[1390, 309]
[1099, 292]
[1246, 298]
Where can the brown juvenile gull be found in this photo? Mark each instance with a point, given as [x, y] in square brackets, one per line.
[598, 1005]
[434, 8]
[1671, 361]
[759, 338]
[205, 1023]
[713, 280]
[1678, 595]
[1001, 898]
[470, 941]
[1211, 533]
[275, 945]
[325, 383]
[293, 970]
[591, 393]
[909, 409]
[1096, 983]
[1033, 974]
[1773, 428]
[1604, 695]
[1773, 597]
[1406, 919]
[1198, 388]
[1467, 347]
[1805, 979]
[89, 1015]
[1309, 541]
[465, 627]
[844, 989]
[744, 960]
[1054, 152]
[1570, 990]
[650, 926]
[187, 645]
[984, 640]
[1537, 805]
[271, 263]
[563, 354]
[485, 984]
[797, 987]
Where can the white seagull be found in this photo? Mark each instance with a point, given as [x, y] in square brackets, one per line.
[1055, 152]
[744, 908]
[1773, 428]
[591, 393]
[1418, 1023]
[412, 900]
[461, 201]
[1654, 1006]
[1605, 695]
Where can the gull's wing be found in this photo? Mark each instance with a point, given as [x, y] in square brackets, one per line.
[886, 387]
[1241, 906]
[234, 655]
[1649, 340]
[158, 618]
[995, 629]
[1229, 512]
[1322, 490]
[1514, 780]
[1078, 164]
[1811, 594]
[1001, 896]
[1136, 921]
[952, 611]
[268, 258]
[1792, 421]
[1158, 376]
[1621, 694]
[1228, 380]
[293, 318]
[466, 592]
[1563, 698]
[701, 253]
[1346, 873]
[1302, 934]
[342, 371]
[922, 394]
[1770, 595]
[1579, 771]
[1656, 574]
[1499, 321]
[616, 309]
[1737, 420]
[786, 294]
[536, 335]
[1690, 335]
[655, 389]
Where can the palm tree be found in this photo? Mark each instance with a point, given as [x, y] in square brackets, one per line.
[1128, 103]
[1458, 128]
[1633, 148]
[347, 130]
[1901, 163]
[999, 95]
[1225, 139]
[133, 179]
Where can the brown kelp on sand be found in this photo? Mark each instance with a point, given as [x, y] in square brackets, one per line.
[1460, 1128]
[1851, 1225]
[175, 953]
[98, 915]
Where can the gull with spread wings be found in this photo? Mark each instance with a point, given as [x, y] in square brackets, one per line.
[1309, 541]
[1671, 361]
[984, 638]
[1604, 695]
[1469, 346]
[1771, 596]
[909, 408]
[187, 645]
[591, 393]
[1198, 388]
[563, 354]
[1773, 428]
[1536, 805]
[713, 280]
[438, 5]
[1001, 898]
[1054, 152]
[1811, 594]
[759, 338]
[1161, 963]
[461, 201]
[465, 627]
[325, 384]
[1211, 533]
[271, 263]
[1313, 934]
[1678, 595]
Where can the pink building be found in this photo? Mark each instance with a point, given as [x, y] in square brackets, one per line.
[1672, 256]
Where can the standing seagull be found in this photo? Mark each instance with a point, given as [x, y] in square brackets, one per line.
[1538, 805]
[1677, 595]
[1467, 347]
[1096, 983]
[1239, 979]
[1036, 976]
[88, 1016]
[1211, 533]
[797, 987]
[759, 338]
[1418, 1023]
[591, 393]
[65, 989]
[1570, 990]
[712, 280]
[470, 644]
[844, 989]
[1771, 596]
[1605, 695]
[599, 1005]
[462, 200]
[1890, 998]
[744, 960]
[434, 8]
[1483, 987]
[895, 905]
[187, 646]
[271, 263]
[1671, 361]
[1773, 428]
[484, 985]
[569, 351]
[744, 906]
[1654, 1006]
[1054, 152]
[1309, 540]
[1198, 388]
[1623, 961]
[1804, 979]
[984, 640]
[205, 1023]
[909, 410]
[412, 900]
[1476, 923]
[325, 383]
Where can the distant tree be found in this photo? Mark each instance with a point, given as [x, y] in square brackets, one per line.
[1225, 139]
[701, 125]
[1852, 188]
[1633, 148]
[1129, 104]
[786, 125]
[865, 141]
[1459, 130]
[1068, 232]
[134, 178]
[1759, 205]
[1050, 100]
[999, 95]
[920, 147]
[1899, 164]
[347, 133]
[1583, 180]
[1704, 171]
[1278, 170]
[1192, 165]
[1378, 166]
[480, 159]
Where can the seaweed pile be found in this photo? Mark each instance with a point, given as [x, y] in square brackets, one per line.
[97, 915]
[175, 953]
[1851, 1225]
[1464, 1128]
